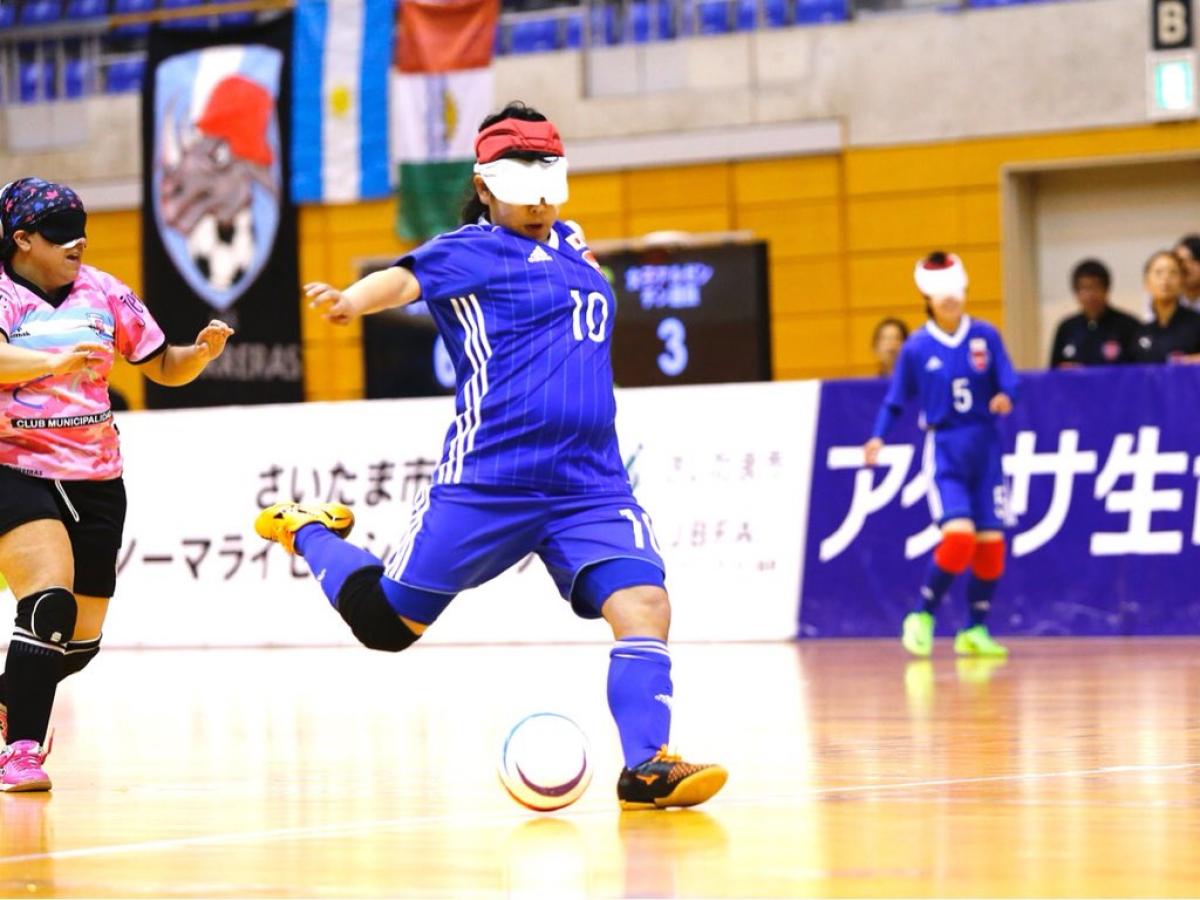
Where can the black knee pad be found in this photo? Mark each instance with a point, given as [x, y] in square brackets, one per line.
[363, 605]
[47, 617]
[79, 654]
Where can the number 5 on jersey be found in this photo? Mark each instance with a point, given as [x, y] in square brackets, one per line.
[961, 389]
[597, 316]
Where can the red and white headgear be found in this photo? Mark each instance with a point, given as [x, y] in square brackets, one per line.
[524, 182]
[943, 279]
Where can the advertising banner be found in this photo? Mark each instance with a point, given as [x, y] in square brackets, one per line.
[1102, 469]
[722, 471]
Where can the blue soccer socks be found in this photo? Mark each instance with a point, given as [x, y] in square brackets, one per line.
[640, 696]
[331, 559]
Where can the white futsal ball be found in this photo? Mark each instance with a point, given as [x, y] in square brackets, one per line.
[546, 762]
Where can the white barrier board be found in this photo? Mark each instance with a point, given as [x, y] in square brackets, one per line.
[723, 470]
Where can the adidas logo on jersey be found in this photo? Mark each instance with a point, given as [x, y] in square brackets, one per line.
[933, 365]
[539, 255]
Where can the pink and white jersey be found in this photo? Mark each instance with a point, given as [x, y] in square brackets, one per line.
[61, 426]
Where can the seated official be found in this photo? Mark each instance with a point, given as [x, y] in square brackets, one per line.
[1173, 334]
[1099, 334]
[1188, 251]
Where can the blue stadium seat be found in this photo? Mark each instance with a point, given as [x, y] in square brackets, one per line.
[812, 12]
[40, 12]
[8, 15]
[667, 27]
[125, 75]
[573, 31]
[712, 16]
[198, 22]
[533, 36]
[78, 10]
[984, 4]
[235, 19]
[775, 14]
[129, 7]
[36, 81]
[606, 29]
[637, 22]
[76, 76]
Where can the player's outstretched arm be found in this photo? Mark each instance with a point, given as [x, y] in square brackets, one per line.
[378, 291]
[179, 365]
[20, 364]
[900, 389]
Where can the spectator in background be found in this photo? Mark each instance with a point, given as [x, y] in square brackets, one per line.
[1099, 334]
[1173, 334]
[1188, 251]
[890, 335]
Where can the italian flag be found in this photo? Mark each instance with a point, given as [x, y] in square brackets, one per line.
[441, 89]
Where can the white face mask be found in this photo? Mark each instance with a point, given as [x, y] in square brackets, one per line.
[526, 182]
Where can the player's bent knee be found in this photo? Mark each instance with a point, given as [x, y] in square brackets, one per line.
[388, 635]
[989, 560]
[365, 608]
[47, 617]
[955, 552]
[634, 582]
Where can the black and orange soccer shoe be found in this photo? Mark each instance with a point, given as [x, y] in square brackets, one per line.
[281, 521]
[666, 780]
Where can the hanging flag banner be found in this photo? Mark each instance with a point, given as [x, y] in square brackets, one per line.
[218, 226]
[441, 91]
[341, 60]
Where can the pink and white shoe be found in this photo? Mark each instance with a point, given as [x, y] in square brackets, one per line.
[21, 767]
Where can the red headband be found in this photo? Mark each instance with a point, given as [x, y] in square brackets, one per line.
[517, 134]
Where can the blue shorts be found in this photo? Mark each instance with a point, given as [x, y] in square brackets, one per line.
[966, 477]
[460, 536]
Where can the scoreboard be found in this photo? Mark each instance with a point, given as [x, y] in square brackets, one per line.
[686, 314]
[690, 314]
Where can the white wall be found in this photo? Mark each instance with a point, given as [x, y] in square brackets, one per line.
[1118, 214]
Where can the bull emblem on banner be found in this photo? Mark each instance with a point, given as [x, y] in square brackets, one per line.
[217, 176]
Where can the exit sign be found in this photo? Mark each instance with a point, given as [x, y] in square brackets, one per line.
[1171, 85]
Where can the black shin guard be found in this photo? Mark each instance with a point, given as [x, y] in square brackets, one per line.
[45, 624]
[79, 654]
[364, 607]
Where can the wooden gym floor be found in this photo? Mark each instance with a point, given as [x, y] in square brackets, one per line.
[1072, 769]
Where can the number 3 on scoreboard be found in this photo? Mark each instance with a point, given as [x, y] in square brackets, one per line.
[674, 358]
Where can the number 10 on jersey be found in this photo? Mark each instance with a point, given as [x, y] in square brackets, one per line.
[596, 316]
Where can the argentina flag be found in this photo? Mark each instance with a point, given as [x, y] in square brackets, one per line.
[341, 58]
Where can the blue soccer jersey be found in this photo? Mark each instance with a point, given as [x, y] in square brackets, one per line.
[954, 377]
[528, 327]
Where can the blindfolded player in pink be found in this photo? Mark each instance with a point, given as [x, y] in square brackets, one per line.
[62, 499]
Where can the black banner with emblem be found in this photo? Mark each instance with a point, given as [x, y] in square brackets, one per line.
[218, 225]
